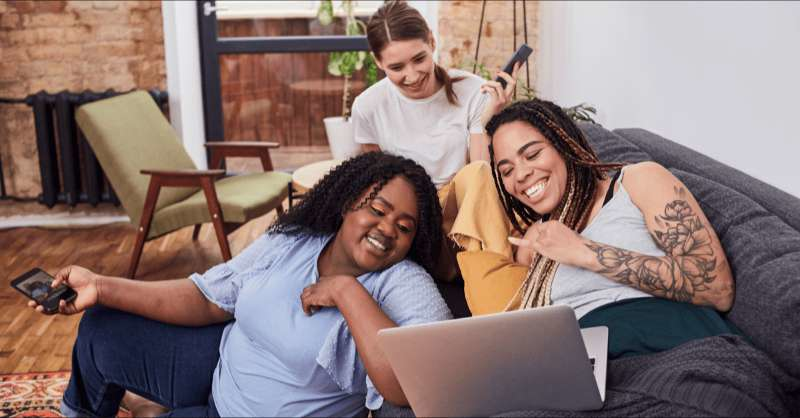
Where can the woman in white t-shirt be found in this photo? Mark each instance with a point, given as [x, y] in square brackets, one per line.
[435, 117]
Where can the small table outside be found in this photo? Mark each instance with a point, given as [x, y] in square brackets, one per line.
[305, 177]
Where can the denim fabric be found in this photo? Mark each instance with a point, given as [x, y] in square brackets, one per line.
[117, 351]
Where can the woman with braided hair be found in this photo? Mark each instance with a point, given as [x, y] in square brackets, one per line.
[632, 251]
[286, 328]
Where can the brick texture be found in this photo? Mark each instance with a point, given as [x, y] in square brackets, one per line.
[69, 45]
[458, 33]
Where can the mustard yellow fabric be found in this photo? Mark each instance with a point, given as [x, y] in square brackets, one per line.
[491, 280]
[473, 217]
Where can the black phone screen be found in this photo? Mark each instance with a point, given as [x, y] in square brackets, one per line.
[35, 284]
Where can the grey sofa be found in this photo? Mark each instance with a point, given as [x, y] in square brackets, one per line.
[759, 227]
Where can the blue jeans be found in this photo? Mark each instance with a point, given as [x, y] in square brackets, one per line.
[117, 351]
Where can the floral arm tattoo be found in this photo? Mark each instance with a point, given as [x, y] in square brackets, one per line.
[687, 266]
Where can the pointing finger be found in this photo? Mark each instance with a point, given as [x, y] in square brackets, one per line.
[520, 242]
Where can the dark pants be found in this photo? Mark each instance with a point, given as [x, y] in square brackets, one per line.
[116, 351]
[651, 325]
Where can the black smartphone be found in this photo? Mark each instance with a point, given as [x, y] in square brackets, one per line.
[522, 54]
[36, 284]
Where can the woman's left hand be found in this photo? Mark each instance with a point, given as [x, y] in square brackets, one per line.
[554, 240]
[499, 97]
[325, 292]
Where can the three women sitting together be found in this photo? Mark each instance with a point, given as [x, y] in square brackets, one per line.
[289, 326]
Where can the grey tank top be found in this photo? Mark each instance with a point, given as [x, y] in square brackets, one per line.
[620, 224]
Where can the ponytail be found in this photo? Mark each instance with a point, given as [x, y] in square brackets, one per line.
[443, 77]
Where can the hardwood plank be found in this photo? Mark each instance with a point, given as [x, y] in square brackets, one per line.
[31, 341]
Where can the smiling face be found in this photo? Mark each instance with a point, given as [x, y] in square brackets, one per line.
[409, 65]
[531, 169]
[379, 233]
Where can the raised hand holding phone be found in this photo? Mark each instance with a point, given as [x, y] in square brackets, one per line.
[501, 89]
[500, 95]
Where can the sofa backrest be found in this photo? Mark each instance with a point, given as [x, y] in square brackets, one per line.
[674, 155]
[757, 224]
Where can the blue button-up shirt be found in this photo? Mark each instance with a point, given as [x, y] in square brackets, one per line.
[277, 361]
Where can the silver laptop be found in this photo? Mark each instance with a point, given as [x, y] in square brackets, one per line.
[491, 364]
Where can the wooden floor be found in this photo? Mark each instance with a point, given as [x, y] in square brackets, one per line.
[30, 341]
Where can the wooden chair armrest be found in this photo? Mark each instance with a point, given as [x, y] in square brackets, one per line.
[182, 178]
[223, 149]
[184, 173]
[241, 144]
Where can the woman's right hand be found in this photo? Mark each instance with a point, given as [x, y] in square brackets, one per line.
[500, 96]
[83, 282]
[523, 253]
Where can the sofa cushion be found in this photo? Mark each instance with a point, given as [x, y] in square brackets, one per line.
[236, 198]
[764, 255]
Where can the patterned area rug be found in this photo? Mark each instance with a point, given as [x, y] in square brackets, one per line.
[34, 394]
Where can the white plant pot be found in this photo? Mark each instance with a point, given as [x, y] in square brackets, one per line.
[341, 137]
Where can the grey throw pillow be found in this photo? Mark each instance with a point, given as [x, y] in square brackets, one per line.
[611, 147]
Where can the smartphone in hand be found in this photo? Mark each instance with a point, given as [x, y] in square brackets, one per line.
[36, 285]
[522, 54]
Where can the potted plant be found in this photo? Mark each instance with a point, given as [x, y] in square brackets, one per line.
[339, 129]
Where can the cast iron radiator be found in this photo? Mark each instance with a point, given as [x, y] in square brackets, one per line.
[69, 169]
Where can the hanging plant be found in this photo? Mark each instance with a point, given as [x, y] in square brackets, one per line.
[346, 63]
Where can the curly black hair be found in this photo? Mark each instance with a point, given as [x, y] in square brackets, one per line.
[322, 209]
[583, 165]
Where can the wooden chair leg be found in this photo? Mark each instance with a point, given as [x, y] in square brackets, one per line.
[137, 253]
[196, 231]
[216, 217]
[266, 161]
[144, 226]
[291, 194]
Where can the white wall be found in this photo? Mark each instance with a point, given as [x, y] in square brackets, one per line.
[182, 54]
[722, 78]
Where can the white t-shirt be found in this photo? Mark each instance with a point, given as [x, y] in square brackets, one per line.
[430, 131]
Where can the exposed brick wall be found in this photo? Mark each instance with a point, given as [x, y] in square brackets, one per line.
[458, 32]
[69, 45]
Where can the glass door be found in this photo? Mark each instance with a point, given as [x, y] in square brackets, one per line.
[264, 69]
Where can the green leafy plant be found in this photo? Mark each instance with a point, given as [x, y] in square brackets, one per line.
[346, 63]
[581, 112]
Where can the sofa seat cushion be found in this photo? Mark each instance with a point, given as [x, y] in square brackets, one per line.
[237, 199]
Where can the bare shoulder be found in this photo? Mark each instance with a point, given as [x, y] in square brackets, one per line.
[650, 184]
[646, 172]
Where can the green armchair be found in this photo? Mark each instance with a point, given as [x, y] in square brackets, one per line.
[159, 185]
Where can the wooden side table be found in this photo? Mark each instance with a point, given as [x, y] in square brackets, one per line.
[305, 177]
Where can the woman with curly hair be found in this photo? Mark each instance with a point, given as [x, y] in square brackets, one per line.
[631, 250]
[289, 326]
